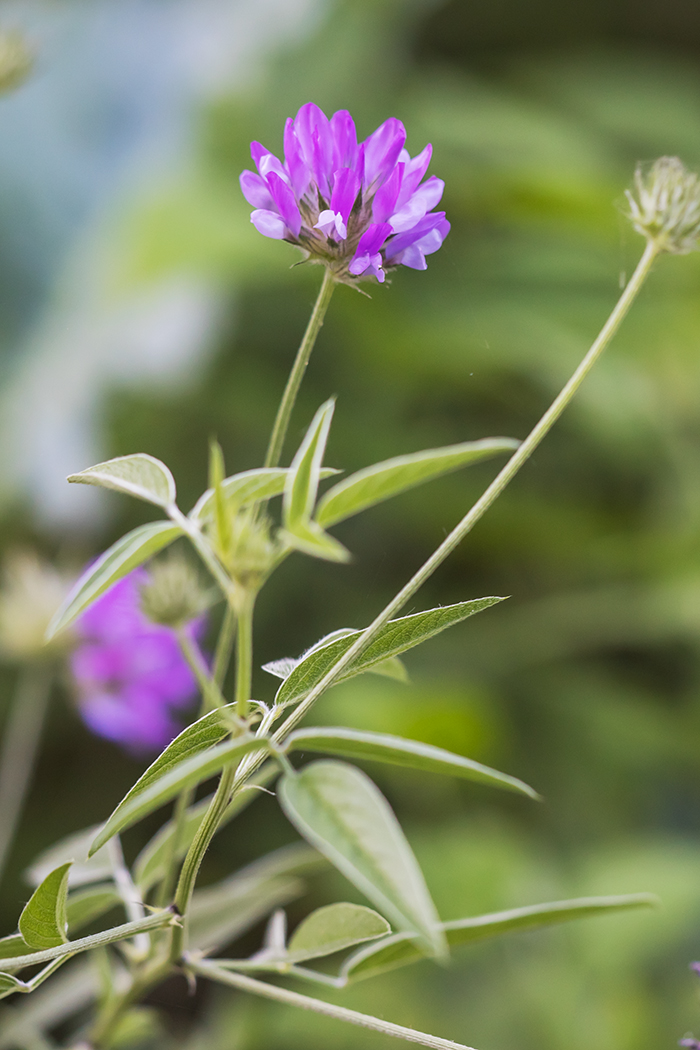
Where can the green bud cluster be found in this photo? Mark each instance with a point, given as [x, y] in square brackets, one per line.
[664, 205]
[249, 551]
[173, 595]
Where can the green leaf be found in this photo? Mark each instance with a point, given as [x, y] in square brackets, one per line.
[394, 638]
[9, 985]
[304, 472]
[382, 747]
[332, 929]
[140, 475]
[394, 668]
[74, 847]
[383, 480]
[391, 668]
[152, 792]
[399, 950]
[90, 904]
[249, 487]
[43, 921]
[12, 946]
[126, 554]
[223, 912]
[309, 538]
[150, 865]
[344, 815]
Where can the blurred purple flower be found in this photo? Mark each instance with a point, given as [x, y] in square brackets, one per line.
[129, 672]
[361, 209]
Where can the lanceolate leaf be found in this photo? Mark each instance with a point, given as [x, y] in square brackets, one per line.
[343, 814]
[395, 638]
[309, 538]
[334, 928]
[149, 867]
[379, 482]
[43, 921]
[249, 487]
[381, 747]
[305, 470]
[140, 475]
[123, 556]
[158, 789]
[399, 950]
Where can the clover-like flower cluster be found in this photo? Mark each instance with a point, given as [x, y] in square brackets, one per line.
[359, 208]
[664, 205]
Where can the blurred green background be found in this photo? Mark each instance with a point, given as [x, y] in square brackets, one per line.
[586, 682]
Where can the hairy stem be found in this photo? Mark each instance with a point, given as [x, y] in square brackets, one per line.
[519, 457]
[284, 412]
[318, 1006]
[165, 890]
[244, 653]
[20, 744]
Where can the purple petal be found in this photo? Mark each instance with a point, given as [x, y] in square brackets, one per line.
[258, 152]
[331, 224]
[367, 257]
[346, 186]
[270, 164]
[410, 248]
[423, 200]
[382, 150]
[299, 173]
[285, 202]
[255, 190]
[313, 131]
[387, 195]
[344, 139]
[268, 223]
[414, 172]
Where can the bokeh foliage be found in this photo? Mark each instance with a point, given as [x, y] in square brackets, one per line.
[586, 682]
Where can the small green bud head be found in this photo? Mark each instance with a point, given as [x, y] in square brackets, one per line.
[173, 595]
[251, 552]
[664, 205]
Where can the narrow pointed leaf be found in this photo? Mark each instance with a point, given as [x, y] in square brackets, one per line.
[43, 921]
[344, 815]
[305, 470]
[126, 554]
[163, 788]
[12, 946]
[395, 638]
[332, 929]
[249, 487]
[141, 475]
[383, 480]
[399, 950]
[150, 865]
[382, 747]
[9, 985]
[309, 538]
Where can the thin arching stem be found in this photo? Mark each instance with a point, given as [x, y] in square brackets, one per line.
[284, 412]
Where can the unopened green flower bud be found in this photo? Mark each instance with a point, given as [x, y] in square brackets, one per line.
[664, 205]
[250, 551]
[31, 592]
[173, 595]
[16, 60]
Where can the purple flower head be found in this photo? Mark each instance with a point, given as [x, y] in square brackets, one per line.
[129, 672]
[359, 208]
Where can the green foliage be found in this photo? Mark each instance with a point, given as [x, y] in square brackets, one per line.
[383, 480]
[381, 747]
[126, 554]
[251, 486]
[396, 637]
[140, 475]
[343, 814]
[332, 929]
[43, 922]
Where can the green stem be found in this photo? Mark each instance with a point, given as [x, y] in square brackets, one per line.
[318, 1006]
[224, 646]
[205, 552]
[244, 652]
[20, 744]
[165, 890]
[284, 412]
[211, 694]
[494, 490]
